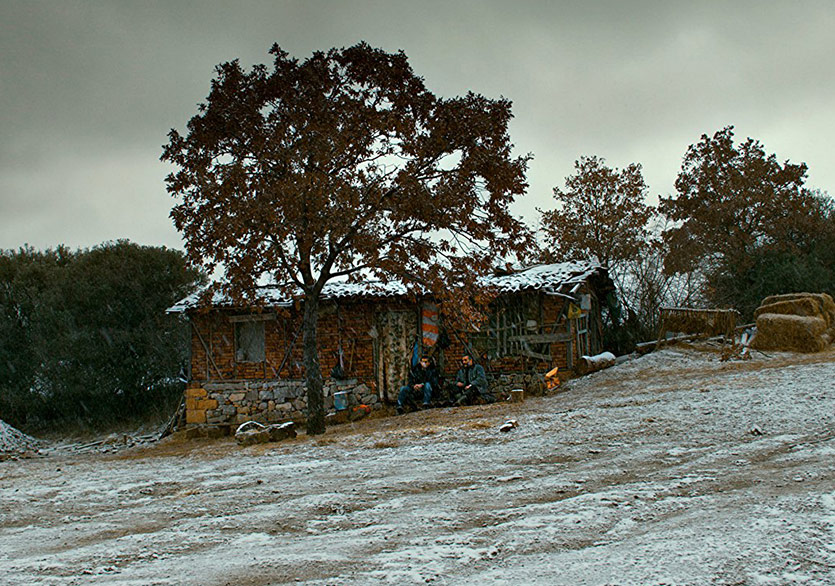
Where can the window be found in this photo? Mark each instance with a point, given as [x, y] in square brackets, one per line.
[514, 321]
[249, 341]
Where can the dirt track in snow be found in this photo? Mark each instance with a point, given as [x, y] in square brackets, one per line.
[646, 473]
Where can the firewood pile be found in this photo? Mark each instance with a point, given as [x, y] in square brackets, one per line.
[799, 322]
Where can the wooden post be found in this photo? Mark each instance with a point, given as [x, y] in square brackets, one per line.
[207, 349]
[570, 356]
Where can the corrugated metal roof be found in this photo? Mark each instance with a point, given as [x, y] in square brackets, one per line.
[550, 279]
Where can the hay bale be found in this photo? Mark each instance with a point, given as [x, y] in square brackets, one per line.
[826, 302]
[790, 332]
[803, 306]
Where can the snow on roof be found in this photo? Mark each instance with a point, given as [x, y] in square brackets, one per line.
[272, 295]
[550, 279]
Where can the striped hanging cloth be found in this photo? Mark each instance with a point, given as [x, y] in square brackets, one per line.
[429, 325]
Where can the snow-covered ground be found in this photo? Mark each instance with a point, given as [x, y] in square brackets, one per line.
[670, 469]
[14, 442]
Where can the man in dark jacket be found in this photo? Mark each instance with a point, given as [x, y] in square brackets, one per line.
[423, 380]
[471, 383]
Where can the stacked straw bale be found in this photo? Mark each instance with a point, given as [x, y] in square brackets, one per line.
[801, 322]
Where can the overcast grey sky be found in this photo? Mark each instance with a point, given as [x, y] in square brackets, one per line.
[89, 90]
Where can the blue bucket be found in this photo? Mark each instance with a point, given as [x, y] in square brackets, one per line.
[340, 400]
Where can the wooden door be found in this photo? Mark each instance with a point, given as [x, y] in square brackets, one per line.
[396, 335]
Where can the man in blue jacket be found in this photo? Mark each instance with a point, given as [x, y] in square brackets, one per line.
[423, 380]
[471, 383]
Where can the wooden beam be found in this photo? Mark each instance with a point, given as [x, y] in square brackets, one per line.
[563, 295]
[206, 349]
[530, 353]
[288, 350]
[252, 317]
[570, 356]
[541, 338]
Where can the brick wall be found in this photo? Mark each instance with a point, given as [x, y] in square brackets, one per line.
[552, 308]
[347, 324]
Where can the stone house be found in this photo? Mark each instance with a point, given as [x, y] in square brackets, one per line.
[247, 364]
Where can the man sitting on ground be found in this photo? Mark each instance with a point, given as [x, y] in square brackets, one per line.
[471, 383]
[423, 379]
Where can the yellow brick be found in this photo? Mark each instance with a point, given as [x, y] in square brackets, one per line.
[206, 404]
[195, 416]
[197, 393]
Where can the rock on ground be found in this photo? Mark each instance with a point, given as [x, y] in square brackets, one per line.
[252, 432]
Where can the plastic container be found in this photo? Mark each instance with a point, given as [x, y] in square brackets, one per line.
[340, 400]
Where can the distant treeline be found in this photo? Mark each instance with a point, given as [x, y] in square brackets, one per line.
[84, 338]
[741, 226]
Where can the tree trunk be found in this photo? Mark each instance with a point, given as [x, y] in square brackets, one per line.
[312, 370]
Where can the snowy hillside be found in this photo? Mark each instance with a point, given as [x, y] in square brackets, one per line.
[673, 468]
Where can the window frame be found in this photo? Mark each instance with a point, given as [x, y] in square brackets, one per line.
[250, 338]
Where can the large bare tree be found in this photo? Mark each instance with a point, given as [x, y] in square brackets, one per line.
[340, 166]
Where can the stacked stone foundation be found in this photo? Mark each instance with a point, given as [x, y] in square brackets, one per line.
[216, 408]
[227, 404]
